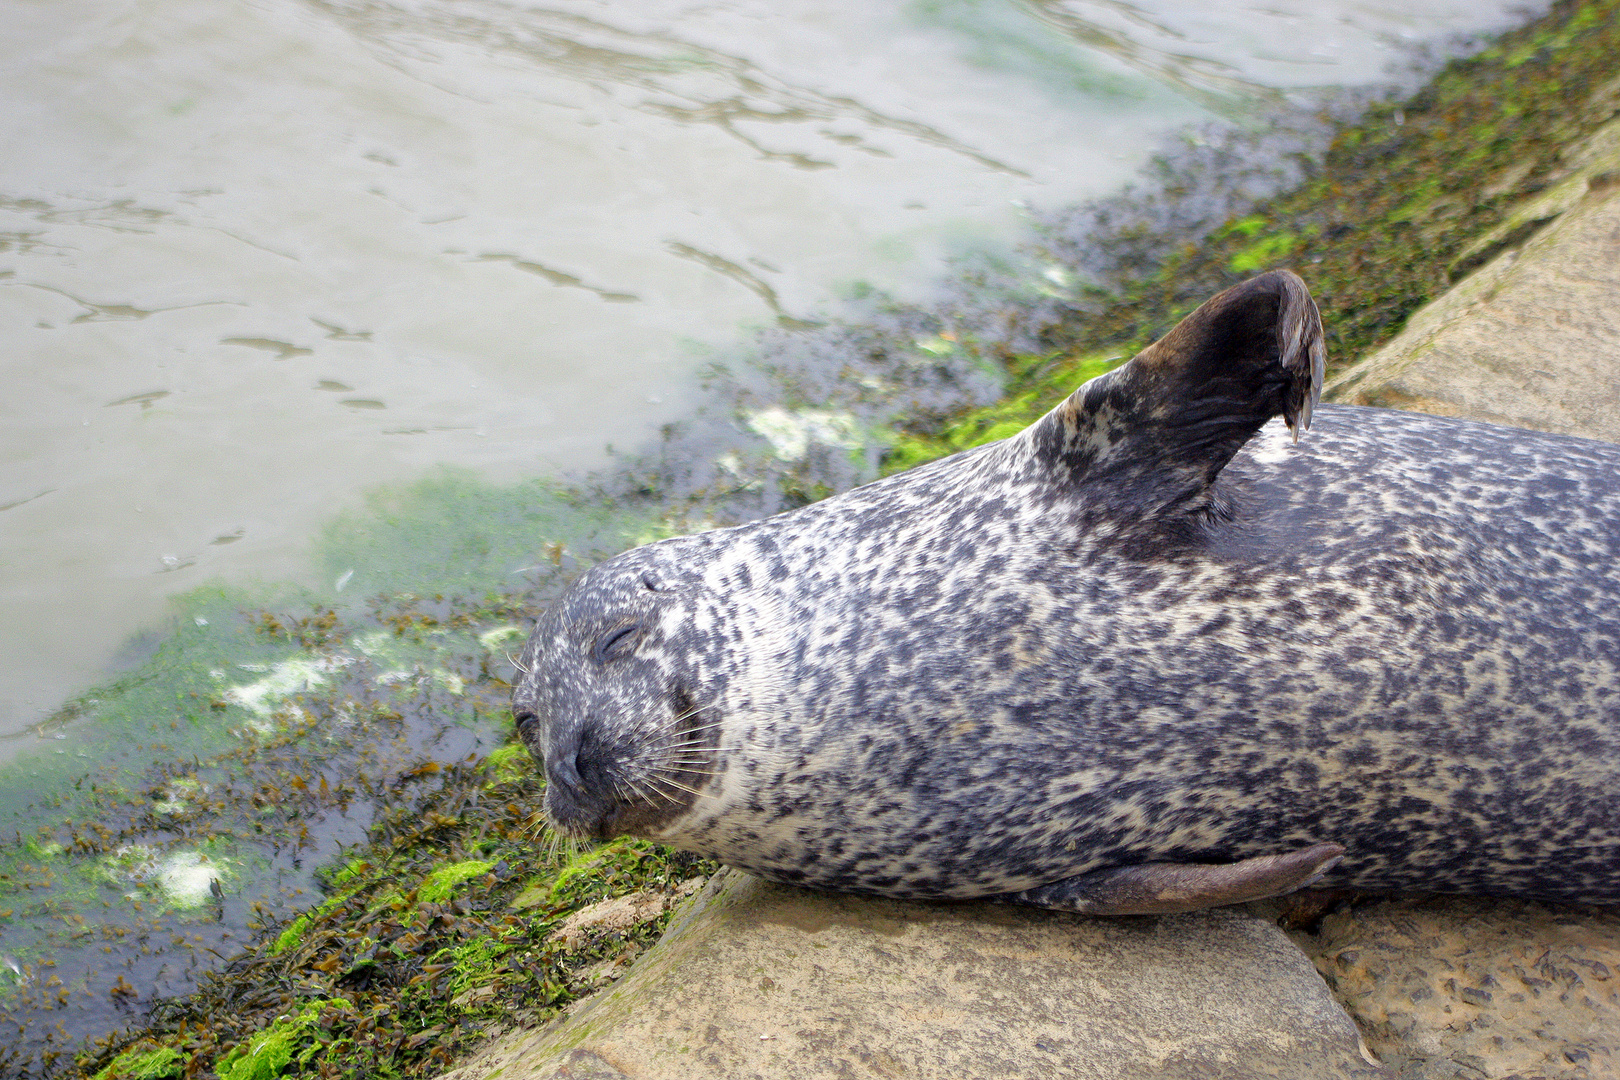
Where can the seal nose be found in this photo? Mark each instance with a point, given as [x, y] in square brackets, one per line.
[563, 770]
[562, 764]
[571, 804]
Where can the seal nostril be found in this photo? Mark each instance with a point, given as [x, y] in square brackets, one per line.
[562, 762]
[563, 769]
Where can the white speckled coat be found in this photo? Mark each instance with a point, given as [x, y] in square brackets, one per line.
[1147, 630]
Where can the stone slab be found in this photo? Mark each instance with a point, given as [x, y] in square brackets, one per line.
[763, 981]
[1453, 988]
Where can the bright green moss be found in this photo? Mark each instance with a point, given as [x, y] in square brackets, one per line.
[165, 1063]
[438, 886]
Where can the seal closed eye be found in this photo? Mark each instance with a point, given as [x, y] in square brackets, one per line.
[615, 643]
[1147, 655]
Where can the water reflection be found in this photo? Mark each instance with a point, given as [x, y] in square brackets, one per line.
[1148, 45]
[652, 71]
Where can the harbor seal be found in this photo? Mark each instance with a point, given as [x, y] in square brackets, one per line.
[1147, 655]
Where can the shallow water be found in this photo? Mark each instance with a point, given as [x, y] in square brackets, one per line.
[257, 258]
[142, 846]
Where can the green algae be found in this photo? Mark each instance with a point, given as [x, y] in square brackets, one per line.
[438, 886]
[346, 873]
[508, 763]
[452, 532]
[473, 965]
[1040, 381]
[1265, 252]
[164, 1063]
[268, 1054]
[255, 719]
[293, 935]
[163, 706]
[418, 978]
[598, 873]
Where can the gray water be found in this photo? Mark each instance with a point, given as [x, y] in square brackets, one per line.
[259, 257]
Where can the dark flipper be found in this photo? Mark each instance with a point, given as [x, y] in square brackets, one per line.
[1157, 430]
[1162, 888]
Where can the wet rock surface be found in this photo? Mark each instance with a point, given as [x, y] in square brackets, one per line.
[763, 980]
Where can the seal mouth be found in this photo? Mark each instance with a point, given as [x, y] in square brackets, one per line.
[671, 774]
[599, 790]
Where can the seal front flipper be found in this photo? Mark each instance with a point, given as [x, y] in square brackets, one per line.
[1152, 434]
[1163, 888]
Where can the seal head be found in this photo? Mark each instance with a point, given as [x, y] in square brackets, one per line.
[625, 745]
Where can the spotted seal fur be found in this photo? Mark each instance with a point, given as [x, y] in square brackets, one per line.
[1144, 656]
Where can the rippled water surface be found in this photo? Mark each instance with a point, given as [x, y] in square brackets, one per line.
[258, 257]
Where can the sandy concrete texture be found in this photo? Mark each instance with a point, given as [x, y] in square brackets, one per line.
[761, 980]
[1464, 988]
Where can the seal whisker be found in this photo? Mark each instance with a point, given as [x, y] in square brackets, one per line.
[667, 796]
[694, 748]
[666, 779]
[685, 742]
[692, 708]
[677, 784]
[687, 733]
[680, 747]
[701, 754]
[641, 792]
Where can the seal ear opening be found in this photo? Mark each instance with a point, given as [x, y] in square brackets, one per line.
[1172, 417]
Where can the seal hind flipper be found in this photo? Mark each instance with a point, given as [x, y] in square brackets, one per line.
[1162, 888]
[1162, 426]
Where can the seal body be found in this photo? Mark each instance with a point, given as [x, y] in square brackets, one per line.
[1146, 632]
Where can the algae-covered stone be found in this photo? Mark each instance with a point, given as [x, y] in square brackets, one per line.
[764, 980]
[1530, 338]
